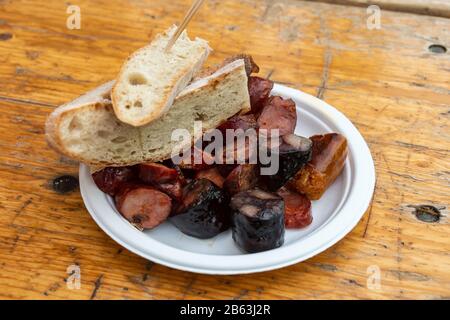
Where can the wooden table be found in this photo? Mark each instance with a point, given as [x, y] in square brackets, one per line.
[388, 81]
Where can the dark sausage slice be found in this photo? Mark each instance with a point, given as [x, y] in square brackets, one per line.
[157, 173]
[212, 175]
[172, 189]
[278, 114]
[293, 153]
[297, 209]
[244, 122]
[203, 211]
[329, 153]
[258, 220]
[111, 179]
[242, 178]
[144, 206]
[259, 90]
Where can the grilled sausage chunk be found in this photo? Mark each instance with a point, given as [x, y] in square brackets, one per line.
[111, 179]
[144, 206]
[242, 178]
[259, 90]
[258, 220]
[297, 209]
[212, 175]
[278, 114]
[329, 153]
[203, 211]
[294, 152]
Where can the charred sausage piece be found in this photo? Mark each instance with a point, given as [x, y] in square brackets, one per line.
[203, 211]
[111, 179]
[144, 206]
[259, 90]
[329, 153]
[258, 220]
[212, 175]
[242, 178]
[297, 209]
[157, 173]
[278, 114]
[172, 189]
[293, 153]
[244, 122]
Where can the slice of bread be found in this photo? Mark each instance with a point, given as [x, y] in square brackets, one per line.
[151, 78]
[87, 129]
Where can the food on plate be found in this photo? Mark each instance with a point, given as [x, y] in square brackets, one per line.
[87, 129]
[259, 90]
[144, 206]
[212, 175]
[329, 153]
[111, 179]
[203, 211]
[134, 152]
[151, 78]
[293, 153]
[242, 178]
[258, 220]
[281, 110]
[297, 209]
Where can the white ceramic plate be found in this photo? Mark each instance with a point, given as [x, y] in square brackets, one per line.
[335, 214]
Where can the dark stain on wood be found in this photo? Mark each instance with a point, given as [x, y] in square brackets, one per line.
[97, 284]
[5, 36]
[427, 213]
[65, 184]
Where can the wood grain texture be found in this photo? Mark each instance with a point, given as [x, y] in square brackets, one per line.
[386, 81]
[439, 8]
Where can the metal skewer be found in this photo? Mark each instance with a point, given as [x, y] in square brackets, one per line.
[191, 12]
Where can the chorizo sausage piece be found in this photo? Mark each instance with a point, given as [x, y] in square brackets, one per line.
[172, 189]
[111, 179]
[258, 220]
[242, 178]
[212, 175]
[329, 153]
[144, 206]
[292, 155]
[297, 206]
[259, 90]
[203, 212]
[278, 114]
[157, 173]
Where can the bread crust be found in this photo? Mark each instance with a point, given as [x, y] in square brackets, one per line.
[168, 96]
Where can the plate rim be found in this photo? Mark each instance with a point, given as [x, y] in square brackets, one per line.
[263, 261]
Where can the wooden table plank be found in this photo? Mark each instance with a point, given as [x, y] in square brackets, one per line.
[439, 8]
[386, 81]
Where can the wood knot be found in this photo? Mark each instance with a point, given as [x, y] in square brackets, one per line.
[427, 213]
[437, 48]
[65, 184]
[5, 36]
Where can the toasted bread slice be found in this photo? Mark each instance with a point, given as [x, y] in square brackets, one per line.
[87, 129]
[151, 78]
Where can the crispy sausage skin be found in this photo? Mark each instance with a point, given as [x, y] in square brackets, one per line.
[212, 175]
[144, 206]
[111, 179]
[279, 114]
[329, 153]
[157, 173]
[242, 178]
[297, 209]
